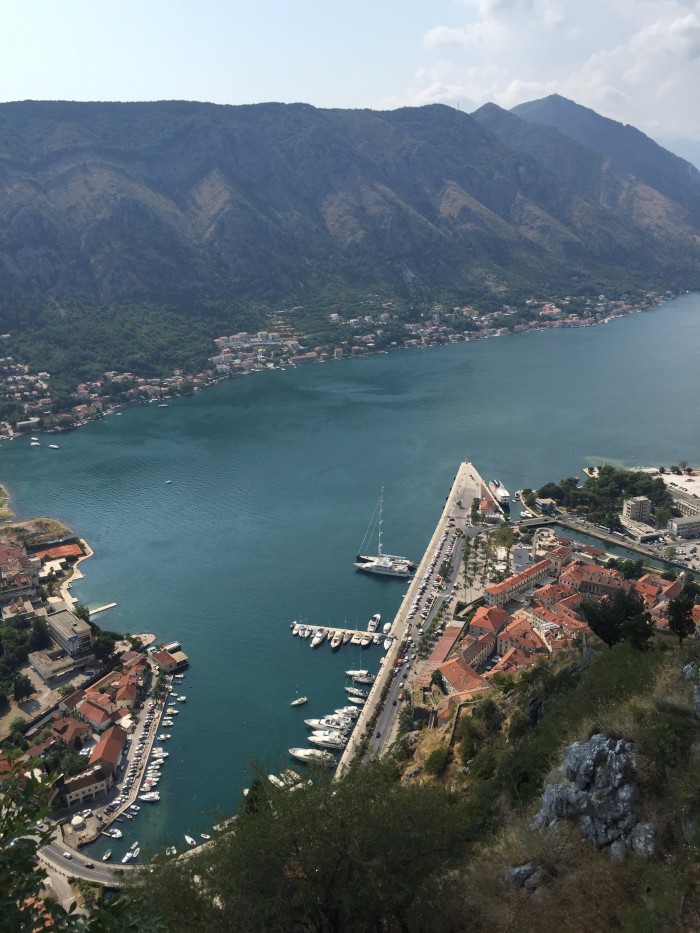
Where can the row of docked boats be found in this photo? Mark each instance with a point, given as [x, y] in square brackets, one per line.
[331, 733]
[340, 636]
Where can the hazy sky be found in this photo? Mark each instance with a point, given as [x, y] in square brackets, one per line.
[637, 61]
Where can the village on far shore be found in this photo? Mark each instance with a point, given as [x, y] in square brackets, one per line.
[30, 398]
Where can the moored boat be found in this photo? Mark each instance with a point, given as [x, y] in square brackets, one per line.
[356, 638]
[346, 637]
[313, 756]
[356, 692]
[190, 841]
[374, 622]
[387, 643]
[278, 782]
[365, 641]
[337, 640]
[383, 564]
[318, 638]
[107, 856]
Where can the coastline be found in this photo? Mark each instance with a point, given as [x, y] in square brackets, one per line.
[655, 303]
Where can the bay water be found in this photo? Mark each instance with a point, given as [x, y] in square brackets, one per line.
[275, 477]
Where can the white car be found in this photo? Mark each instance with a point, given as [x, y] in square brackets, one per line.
[67, 855]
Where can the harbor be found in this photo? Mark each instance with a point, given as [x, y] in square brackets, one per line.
[467, 486]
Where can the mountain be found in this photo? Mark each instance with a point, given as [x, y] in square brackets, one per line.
[172, 199]
[628, 150]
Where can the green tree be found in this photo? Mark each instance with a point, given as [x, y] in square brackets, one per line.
[103, 646]
[436, 762]
[662, 516]
[619, 617]
[359, 853]
[22, 688]
[680, 617]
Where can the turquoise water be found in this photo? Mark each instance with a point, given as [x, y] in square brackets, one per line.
[274, 479]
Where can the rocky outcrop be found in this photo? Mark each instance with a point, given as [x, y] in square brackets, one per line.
[601, 796]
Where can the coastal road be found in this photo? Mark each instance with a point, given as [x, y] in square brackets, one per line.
[467, 485]
[75, 866]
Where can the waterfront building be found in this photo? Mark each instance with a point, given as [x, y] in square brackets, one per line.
[637, 509]
[108, 751]
[686, 527]
[19, 573]
[85, 786]
[69, 632]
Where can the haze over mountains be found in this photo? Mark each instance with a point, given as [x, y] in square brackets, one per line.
[170, 201]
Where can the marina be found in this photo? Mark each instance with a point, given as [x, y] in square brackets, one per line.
[341, 432]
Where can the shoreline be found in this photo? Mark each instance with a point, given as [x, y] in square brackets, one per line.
[655, 304]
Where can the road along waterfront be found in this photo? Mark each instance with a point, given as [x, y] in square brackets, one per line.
[467, 485]
[274, 478]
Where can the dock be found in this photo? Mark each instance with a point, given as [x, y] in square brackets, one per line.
[93, 612]
[467, 486]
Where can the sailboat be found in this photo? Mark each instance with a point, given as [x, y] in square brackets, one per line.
[385, 564]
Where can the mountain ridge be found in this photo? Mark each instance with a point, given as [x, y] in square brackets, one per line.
[169, 201]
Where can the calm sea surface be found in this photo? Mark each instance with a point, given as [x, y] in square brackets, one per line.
[274, 479]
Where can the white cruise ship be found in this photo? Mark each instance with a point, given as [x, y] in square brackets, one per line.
[500, 493]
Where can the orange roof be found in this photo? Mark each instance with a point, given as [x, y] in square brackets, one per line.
[109, 747]
[490, 618]
[518, 578]
[460, 675]
[61, 550]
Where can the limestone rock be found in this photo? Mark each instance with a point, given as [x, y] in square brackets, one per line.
[519, 876]
[601, 796]
[643, 840]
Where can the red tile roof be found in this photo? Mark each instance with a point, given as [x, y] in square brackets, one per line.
[460, 676]
[109, 747]
[518, 578]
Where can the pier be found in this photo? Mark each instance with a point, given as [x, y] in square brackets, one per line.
[467, 486]
[93, 612]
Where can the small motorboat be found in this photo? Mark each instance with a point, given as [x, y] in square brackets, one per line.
[299, 701]
[53, 447]
[107, 856]
[273, 779]
[190, 841]
[205, 835]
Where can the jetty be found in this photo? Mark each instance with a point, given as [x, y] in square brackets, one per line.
[93, 612]
[467, 486]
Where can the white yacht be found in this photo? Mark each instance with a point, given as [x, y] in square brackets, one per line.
[190, 841]
[299, 701]
[500, 493]
[386, 628]
[363, 677]
[313, 756]
[360, 672]
[386, 564]
[365, 641]
[346, 637]
[337, 640]
[350, 711]
[328, 739]
[319, 636]
[356, 638]
[387, 643]
[356, 692]
[377, 638]
[151, 796]
[278, 782]
[374, 622]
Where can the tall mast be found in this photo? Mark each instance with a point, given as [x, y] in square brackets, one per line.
[381, 508]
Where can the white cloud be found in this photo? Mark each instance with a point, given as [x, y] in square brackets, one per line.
[637, 61]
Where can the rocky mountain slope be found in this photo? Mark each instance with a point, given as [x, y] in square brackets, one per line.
[177, 201]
